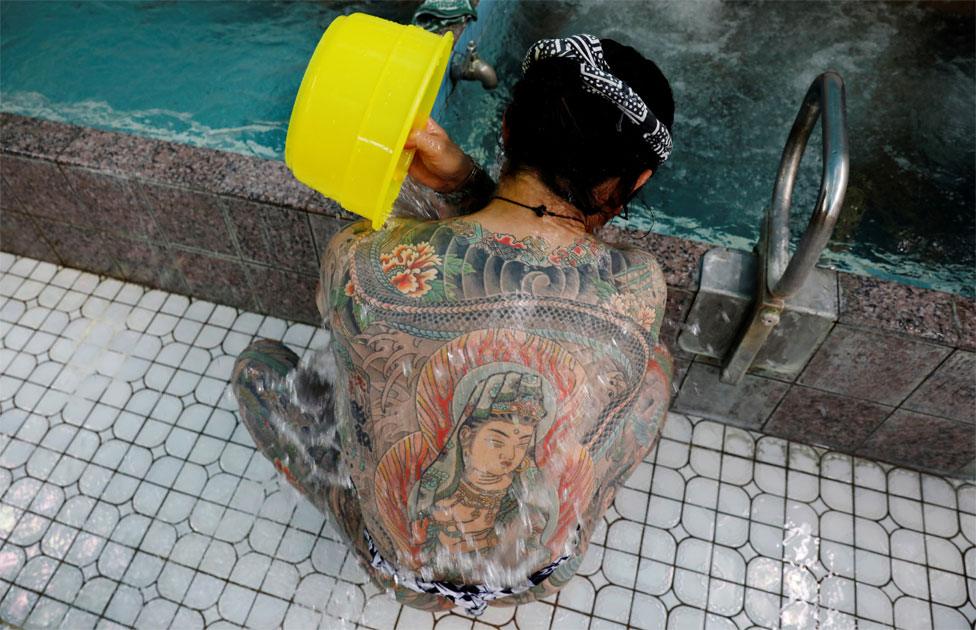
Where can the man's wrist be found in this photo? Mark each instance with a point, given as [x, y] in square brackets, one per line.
[468, 170]
[473, 193]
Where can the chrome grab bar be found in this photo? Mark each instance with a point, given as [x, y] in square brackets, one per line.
[825, 100]
[779, 275]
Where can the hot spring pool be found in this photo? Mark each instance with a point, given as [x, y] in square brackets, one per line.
[223, 75]
[739, 71]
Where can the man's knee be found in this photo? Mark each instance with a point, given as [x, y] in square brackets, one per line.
[258, 379]
[261, 360]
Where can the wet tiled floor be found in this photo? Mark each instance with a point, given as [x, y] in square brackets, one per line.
[132, 497]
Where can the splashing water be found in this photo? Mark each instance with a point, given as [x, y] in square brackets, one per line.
[309, 430]
[810, 602]
[417, 201]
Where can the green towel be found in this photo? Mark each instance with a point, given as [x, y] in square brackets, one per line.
[433, 15]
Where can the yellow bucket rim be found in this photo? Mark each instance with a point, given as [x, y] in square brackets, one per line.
[435, 70]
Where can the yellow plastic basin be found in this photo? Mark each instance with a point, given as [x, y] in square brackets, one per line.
[368, 83]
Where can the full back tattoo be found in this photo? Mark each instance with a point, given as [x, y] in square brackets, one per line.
[493, 393]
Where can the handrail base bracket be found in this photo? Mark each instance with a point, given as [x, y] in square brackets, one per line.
[725, 305]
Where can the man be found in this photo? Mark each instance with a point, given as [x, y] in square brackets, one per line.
[493, 377]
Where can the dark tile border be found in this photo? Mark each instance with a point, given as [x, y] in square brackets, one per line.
[188, 218]
[871, 365]
[917, 439]
[747, 405]
[36, 138]
[38, 188]
[80, 248]
[107, 202]
[810, 415]
[284, 293]
[20, 235]
[266, 181]
[219, 279]
[113, 153]
[965, 309]
[898, 308]
[273, 236]
[949, 391]
[151, 264]
[931, 315]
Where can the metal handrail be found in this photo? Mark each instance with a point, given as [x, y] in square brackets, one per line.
[780, 276]
[825, 100]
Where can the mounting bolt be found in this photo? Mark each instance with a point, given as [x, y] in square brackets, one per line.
[769, 316]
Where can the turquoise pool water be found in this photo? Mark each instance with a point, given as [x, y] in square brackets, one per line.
[221, 75]
[224, 74]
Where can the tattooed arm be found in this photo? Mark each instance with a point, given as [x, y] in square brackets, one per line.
[644, 291]
[460, 183]
[442, 166]
[643, 283]
[472, 195]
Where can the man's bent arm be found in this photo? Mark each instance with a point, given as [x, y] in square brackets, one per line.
[473, 194]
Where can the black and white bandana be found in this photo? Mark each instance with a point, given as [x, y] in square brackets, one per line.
[598, 79]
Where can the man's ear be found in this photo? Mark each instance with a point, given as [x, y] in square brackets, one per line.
[608, 187]
[642, 179]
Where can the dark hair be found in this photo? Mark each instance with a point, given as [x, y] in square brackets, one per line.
[576, 140]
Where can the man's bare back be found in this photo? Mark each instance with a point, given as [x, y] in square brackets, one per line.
[494, 392]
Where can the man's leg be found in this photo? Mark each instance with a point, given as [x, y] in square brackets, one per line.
[299, 443]
[293, 440]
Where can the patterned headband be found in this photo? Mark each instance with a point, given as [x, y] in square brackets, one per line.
[598, 79]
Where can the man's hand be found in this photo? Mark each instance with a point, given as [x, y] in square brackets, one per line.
[438, 163]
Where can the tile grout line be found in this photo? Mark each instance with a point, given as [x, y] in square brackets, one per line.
[196, 569]
[26, 510]
[713, 542]
[854, 542]
[644, 525]
[137, 548]
[925, 549]
[184, 461]
[102, 614]
[831, 447]
[719, 512]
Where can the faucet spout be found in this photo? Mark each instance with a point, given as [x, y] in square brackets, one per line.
[482, 71]
[473, 68]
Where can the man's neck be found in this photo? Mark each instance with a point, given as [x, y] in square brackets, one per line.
[527, 189]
